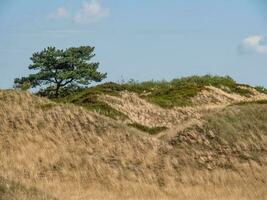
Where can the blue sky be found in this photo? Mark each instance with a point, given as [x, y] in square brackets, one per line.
[143, 40]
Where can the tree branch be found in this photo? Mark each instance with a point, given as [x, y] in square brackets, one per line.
[67, 82]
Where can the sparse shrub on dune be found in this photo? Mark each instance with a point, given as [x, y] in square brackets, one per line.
[167, 94]
[261, 89]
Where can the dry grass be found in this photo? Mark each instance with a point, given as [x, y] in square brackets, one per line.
[10, 190]
[142, 112]
[71, 153]
[217, 96]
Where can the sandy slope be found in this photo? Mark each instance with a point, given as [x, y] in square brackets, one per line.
[71, 153]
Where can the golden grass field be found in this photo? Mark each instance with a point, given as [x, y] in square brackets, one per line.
[216, 150]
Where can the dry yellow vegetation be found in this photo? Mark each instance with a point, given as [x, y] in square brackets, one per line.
[213, 150]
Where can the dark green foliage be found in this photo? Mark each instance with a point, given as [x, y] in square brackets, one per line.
[106, 88]
[58, 71]
[152, 131]
[63, 92]
[216, 81]
[179, 96]
[261, 89]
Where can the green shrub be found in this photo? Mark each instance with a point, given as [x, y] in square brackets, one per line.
[261, 89]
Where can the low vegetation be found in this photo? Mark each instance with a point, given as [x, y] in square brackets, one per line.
[150, 130]
[88, 98]
[166, 94]
[179, 92]
[263, 101]
[261, 89]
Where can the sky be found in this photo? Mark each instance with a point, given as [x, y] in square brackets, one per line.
[141, 40]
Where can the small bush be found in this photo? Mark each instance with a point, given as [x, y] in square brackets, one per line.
[261, 89]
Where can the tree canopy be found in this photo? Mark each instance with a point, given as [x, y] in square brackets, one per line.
[58, 69]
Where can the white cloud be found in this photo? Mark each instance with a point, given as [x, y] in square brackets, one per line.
[254, 44]
[91, 11]
[61, 12]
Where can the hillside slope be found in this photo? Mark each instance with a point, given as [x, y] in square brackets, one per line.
[215, 148]
[164, 104]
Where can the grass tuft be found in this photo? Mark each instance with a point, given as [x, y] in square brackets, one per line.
[241, 103]
[13, 190]
[151, 131]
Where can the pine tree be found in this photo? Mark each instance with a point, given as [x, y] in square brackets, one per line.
[57, 69]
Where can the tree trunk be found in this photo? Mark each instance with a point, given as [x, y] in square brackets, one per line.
[57, 90]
